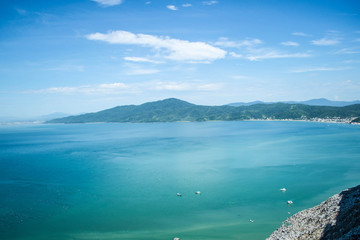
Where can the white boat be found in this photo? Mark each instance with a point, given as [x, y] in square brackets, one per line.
[252, 220]
[197, 192]
[178, 194]
[283, 189]
[290, 202]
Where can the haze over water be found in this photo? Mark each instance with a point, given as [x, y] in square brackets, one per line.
[120, 181]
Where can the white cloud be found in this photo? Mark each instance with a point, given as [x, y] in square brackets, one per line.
[187, 5]
[351, 61]
[225, 42]
[236, 55]
[175, 49]
[140, 59]
[325, 42]
[301, 34]
[348, 51]
[142, 71]
[209, 2]
[122, 88]
[108, 3]
[172, 7]
[148, 2]
[319, 69]
[357, 40]
[113, 86]
[185, 86]
[260, 54]
[289, 43]
[174, 86]
[249, 49]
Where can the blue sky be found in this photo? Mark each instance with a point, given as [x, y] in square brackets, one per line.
[88, 55]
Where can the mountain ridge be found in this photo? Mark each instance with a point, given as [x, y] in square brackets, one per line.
[311, 102]
[172, 109]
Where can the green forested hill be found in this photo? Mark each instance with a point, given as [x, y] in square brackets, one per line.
[170, 110]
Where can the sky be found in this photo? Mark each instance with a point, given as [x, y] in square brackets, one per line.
[88, 55]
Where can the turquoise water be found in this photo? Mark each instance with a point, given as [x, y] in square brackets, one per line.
[119, 181]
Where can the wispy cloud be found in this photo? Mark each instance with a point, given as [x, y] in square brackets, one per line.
[301, 34]
[289, 43]
[325, 41]
[122, 88]
[185, 86]
[236, 55]
[225, 42]
[261, 54]
[351, 61]
[140, 59]
[348, 51]
[320, 69]
[20, 11]
[105, 88]
[249, 49]
[172, 7]
[187, 5]
[174, 49]
[108, 3]
[209, 2]
[141, 71]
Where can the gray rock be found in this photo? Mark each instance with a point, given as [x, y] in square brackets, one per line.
[336, 218]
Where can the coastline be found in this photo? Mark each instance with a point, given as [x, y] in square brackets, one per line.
[320, 120]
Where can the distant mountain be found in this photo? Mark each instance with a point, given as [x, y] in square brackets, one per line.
[312, 102]
[171, 110]
[248, 103]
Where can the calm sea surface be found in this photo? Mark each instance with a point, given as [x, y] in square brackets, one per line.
[120, 181]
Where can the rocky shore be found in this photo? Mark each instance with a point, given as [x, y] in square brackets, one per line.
[336, 218]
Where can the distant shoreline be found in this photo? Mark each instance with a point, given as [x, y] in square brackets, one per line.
[320, 120]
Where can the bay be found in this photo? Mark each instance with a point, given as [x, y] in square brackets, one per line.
[120, 181]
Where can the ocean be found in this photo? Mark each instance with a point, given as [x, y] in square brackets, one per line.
[121, 180]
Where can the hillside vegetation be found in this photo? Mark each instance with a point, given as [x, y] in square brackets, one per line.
[171, 110]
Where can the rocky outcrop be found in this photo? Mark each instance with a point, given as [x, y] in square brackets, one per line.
[336, 218]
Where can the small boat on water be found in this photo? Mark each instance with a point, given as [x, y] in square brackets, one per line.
[290, 202]
[252, 220]
[283, 189]
[178, 194]
[198, 192]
